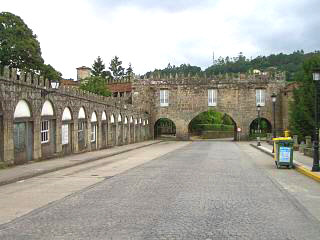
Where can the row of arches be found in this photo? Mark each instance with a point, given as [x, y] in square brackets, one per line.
[62, 135]
[203, 126]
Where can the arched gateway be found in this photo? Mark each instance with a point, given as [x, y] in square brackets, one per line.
[182, 98]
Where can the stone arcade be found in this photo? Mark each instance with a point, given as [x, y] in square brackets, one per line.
[37, 122]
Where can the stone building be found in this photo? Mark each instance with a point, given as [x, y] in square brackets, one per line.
[181, 98]
[37, 122]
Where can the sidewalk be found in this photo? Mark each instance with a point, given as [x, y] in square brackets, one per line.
[301, 162]
[21, 172]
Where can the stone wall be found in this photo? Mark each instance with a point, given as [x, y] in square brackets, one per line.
[35, 90]
[188, 96]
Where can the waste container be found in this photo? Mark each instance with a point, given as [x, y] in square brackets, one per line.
[283, 154]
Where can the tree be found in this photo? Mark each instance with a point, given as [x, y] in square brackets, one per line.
[129, 72]
[95, 84]
[49, 72]
[116, 68]
[302, 108]
[19, 47]
[98, 69]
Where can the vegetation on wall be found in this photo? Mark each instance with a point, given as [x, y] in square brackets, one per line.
[302, 109]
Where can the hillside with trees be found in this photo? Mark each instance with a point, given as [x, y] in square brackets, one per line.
[289, 63]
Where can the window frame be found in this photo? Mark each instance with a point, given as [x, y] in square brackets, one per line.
[212, 97]
[260, 97]
[45, 131]
[164, 97]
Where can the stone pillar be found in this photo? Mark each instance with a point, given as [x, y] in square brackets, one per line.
[129, 132]
[182, 130]
[99, 133]
[116, 133]
[36, 138]
[58, 136]
[75, 140]
[8, 147]
[89, 134]
[109, 142]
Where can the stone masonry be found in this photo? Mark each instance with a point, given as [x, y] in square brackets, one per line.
[188, 96]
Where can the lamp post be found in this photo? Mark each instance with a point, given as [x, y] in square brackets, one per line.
[258, 138]
[54, 86]
[274, 99]
[315, 166]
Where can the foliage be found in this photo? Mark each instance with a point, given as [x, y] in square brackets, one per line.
[98, 69]
[302, 109]
[182, 69]
[211, 120]
[51, 73]
[95, 84]
[291, 64]
[19, 47]
[265, 126]
[116, 68]
[129, 72]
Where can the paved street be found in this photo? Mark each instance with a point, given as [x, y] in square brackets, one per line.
[202, 190]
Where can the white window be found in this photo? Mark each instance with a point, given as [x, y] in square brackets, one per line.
[44, 131]
[65, 134]
[93, 132]
[260, 97]
[212, 97]
[164, 98]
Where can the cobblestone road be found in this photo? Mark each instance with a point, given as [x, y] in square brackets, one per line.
[206, 190]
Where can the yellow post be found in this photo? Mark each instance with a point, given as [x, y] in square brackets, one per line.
[286, 133]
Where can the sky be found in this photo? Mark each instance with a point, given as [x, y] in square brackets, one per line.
[149, 34]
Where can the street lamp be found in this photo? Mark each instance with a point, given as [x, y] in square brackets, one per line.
[54, 87]
[274, 99]
[315, 166]
[258, 138]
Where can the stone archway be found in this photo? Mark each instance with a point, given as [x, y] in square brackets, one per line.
[164, 128]
[212, 124]
[261, 128]
[23, 133]
[48, 130]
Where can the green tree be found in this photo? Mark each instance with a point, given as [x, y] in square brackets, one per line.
[95, 84]
[302, 108]
[19, 47]
[116, 68]
[98, 69]
[49, 72]
[129, 71]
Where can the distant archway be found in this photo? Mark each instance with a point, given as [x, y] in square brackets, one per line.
[164, 128]
[212, 125]
[264, 128]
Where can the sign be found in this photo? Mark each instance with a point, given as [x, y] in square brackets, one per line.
[239, 129]
[284, 154]
[65, 134]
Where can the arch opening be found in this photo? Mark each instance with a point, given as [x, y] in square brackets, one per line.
[213, 125]
[164, 128]
[260, 129]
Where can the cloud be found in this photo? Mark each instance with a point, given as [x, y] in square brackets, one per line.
[166, 5]
[150, 34]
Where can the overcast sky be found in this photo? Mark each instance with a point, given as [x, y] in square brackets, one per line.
[152, 33]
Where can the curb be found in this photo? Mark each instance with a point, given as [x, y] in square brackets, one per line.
[297, 166]
[36, 174]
